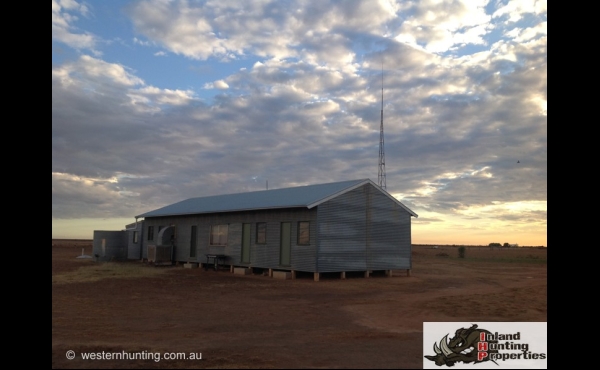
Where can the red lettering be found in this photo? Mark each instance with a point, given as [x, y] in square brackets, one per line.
[481, 355]
[482, 336]
[482, 346]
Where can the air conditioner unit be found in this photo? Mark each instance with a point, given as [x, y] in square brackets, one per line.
[160, 254]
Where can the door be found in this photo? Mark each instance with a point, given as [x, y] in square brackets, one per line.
[245, 243]
[193, 238]
[285, 251]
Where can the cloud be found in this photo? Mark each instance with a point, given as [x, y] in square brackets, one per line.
[95, 70]
[438, 27]
[513, 11]
[203, 30]
[63, 29]
[141, 42]
[221, 85]
[297, 100]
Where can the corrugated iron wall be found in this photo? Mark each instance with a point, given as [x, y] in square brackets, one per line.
[133, 249]
[363, 230]
[342, 231]
[261, 255]
[389, 243]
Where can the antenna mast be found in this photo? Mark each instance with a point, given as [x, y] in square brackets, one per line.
[381, 172]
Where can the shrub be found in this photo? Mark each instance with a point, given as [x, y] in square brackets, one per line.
[461, 252]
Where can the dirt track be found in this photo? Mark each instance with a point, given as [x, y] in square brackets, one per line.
[254, 321]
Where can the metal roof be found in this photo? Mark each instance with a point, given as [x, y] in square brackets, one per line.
[307, 196]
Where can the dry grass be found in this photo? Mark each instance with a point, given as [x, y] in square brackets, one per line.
[96, 271]
[486, 254]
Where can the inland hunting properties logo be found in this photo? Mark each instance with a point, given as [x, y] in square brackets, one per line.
[474, 345]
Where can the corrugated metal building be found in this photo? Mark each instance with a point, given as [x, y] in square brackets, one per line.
[335, 227]
[109, 245]
[119, 245]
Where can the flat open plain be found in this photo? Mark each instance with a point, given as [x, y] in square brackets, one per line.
[253, 321]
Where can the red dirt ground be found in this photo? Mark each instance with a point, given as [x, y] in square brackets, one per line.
[253, 321]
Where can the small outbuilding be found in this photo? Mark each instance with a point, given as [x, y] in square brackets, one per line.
[335, 227]
[109, 245]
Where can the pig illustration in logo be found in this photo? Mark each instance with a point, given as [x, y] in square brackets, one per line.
[464, 346]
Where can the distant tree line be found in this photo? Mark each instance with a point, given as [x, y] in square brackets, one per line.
[505, 245]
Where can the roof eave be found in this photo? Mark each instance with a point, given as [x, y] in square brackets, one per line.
[222, 211]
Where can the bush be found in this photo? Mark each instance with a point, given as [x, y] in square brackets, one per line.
[461, 252]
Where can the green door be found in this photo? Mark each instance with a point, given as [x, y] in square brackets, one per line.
[245, 243]
[286, 242]
[193, 238]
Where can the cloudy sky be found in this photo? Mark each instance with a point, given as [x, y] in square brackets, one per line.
[154, 102]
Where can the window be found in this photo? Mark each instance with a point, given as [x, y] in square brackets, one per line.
[261, 233]
[303, 233]
[135, 236]
[150, 232]
[218, 234]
